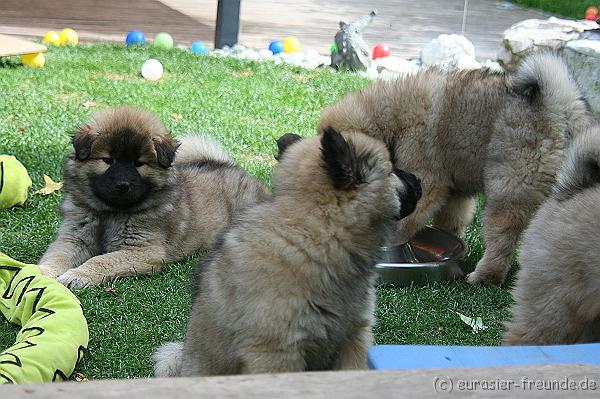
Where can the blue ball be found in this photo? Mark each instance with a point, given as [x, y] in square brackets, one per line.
[135, 37]
[199, 48]
[276, 46]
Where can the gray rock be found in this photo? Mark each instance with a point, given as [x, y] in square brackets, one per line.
[449, 52]
[564, 37]
[583, 58]
[531, 34]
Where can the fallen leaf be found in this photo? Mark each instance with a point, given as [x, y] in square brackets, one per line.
[243, 74]
[111, 290]
[80, 377]
[115, 76]
[21, 129]
[51, 186]
[89, 104]
[176, 116]
[475, 324]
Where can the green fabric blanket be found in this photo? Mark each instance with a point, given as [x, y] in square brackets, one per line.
[54, 332]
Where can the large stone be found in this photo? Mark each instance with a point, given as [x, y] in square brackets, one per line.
[583, 58]
[564, 37]
[553, 33]
[449, 52]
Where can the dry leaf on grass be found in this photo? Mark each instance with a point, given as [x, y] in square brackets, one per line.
[89, 104]
[80, 377]
[176, 116]
[243, 74]
[51, 186]
[110, 290]
[475, 324]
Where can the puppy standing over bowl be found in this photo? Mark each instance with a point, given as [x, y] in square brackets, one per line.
[467, 132]
[134, 200]
[558, 285]
[289, 285]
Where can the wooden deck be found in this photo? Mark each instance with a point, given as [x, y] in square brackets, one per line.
[503, 382]
[403, 24]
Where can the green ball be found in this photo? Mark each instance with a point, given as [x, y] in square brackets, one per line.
[333, 48]
[163, 41]
[14, 181]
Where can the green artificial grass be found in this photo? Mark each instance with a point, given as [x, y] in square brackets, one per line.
[246, 105]
[566, 8]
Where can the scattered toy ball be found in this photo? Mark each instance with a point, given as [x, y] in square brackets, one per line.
[52, 38]
[333, 48]
[199, 48]
[35, 60]
[291, 44]
[381, 50]
[68, 37]
[276, 46]
[135, 37]
[152, 69]
[591, 13]
[163, 41]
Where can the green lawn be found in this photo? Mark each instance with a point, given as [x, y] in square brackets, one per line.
[246, 105]
[567, 8]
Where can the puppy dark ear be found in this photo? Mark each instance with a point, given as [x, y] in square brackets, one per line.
[340, 159]
[82, 140]
[284, 142]
[165, 150]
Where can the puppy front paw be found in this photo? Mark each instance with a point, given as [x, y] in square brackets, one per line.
[485, 279]
[50, 271]
[74, 279]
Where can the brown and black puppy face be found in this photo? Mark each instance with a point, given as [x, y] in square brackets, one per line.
[125, 154]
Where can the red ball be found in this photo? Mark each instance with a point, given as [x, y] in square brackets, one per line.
[591, 13]
[381, 50]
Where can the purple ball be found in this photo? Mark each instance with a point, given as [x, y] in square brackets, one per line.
[135, 37]
[276, 46]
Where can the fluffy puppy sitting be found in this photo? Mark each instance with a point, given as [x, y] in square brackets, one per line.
[289, 284]
[136, 199]
[558, 285]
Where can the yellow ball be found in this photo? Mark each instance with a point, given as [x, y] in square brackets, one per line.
[68, 37]
[52, 38]
[291, 44]
[36, 60]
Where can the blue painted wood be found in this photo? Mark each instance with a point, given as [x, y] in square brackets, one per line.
[407, 357]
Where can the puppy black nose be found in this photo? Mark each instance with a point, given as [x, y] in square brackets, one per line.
[410, 193]
[122, 186]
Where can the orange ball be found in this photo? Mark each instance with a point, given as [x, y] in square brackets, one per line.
[591, 13]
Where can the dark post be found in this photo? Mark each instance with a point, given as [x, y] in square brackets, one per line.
[228, 23]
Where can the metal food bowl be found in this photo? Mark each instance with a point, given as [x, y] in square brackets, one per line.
[432, 255]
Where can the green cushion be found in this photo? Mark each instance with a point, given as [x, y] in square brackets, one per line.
[54, 332]
[14, 182]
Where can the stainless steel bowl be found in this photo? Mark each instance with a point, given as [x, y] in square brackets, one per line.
[432, 255]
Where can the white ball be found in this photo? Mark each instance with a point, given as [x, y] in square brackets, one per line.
[152, 69]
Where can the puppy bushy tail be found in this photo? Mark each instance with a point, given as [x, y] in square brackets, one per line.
[545, 76]
[167, 359]
[581, 168]
[200, 148]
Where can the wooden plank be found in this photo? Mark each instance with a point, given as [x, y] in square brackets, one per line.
[502, 382]
[10, 45]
